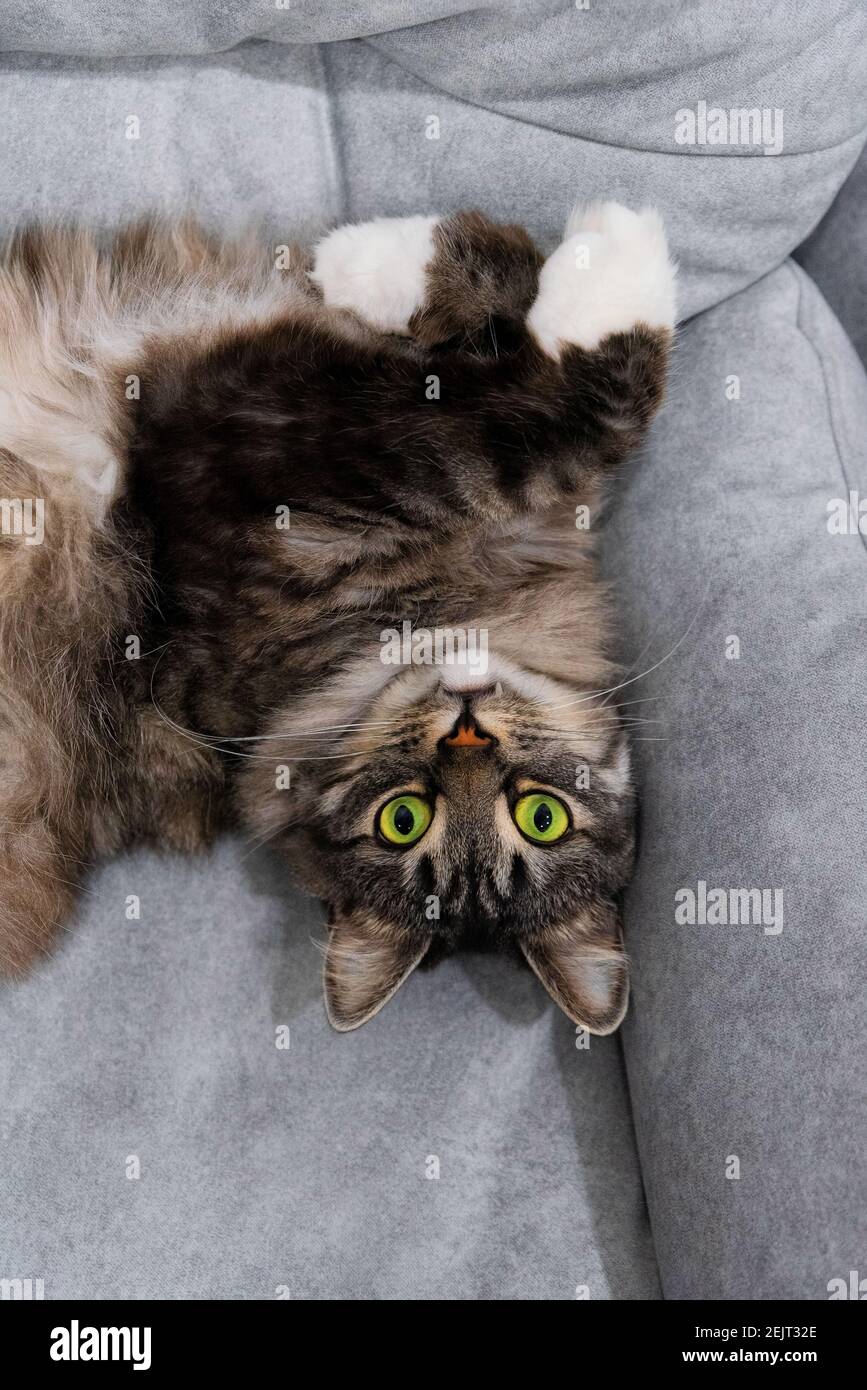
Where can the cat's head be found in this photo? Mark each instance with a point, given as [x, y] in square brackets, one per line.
[492, 811]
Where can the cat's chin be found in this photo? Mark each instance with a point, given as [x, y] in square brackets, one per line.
[466, 677]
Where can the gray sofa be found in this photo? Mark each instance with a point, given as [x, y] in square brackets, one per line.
[158, 1139]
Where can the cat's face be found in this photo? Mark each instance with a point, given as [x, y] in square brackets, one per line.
[496, 811]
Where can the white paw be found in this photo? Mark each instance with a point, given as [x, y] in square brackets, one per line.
[377, 269]
[612, 272]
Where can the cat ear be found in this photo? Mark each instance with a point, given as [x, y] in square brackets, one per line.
[584, 968]
[366, 963]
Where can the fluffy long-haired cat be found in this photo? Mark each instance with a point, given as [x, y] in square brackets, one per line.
[290, 541]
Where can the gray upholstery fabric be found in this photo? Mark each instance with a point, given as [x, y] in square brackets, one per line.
[835, 256]
[305, 1169]
[743, 1042]
[538, 105]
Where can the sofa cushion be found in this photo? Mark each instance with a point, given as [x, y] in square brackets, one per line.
[746, 1045]
[835, 256]
[160, 1139]
[518, 110]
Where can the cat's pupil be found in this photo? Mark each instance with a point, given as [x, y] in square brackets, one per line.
[404, 820]
[543, 817]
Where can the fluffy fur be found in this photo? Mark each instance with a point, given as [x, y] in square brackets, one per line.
[172, 647]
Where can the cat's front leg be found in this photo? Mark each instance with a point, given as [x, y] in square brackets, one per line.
[611, 274]
[377, 269]
[439, 277]
[434, 278]
[547, 410]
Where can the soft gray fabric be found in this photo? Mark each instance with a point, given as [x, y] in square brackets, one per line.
[538, 106]
[114, 28]
[741, 1043]
[304, 1168]
[261, 1168]
[835, 256]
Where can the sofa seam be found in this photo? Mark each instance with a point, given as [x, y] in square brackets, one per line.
[332, 136]
[832, 402]
[643, 1179]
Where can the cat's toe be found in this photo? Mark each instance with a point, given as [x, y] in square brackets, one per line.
[377, 269]
[612, 273]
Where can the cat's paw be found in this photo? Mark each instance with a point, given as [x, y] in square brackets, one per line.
[612, 272]
[377, 269]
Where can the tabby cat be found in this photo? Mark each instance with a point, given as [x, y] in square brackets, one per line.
[227, 484]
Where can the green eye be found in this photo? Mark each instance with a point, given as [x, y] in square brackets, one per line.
[404, 819]
[541, 817]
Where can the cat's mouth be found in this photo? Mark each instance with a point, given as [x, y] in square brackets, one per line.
[420, 706]
[470, 692]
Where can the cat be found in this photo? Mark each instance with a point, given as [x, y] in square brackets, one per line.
[247, 473]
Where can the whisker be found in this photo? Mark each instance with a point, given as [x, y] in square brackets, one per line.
[215, 742]
[262, 840]
[316, 733]
[595, 694]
